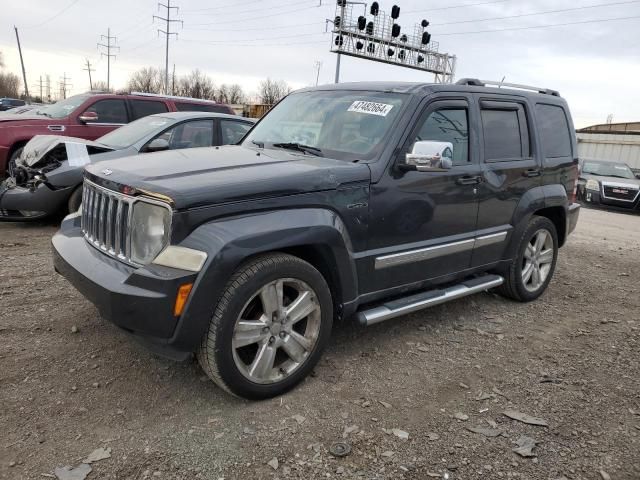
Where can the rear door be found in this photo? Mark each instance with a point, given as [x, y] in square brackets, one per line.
[511, 165]
[143, 108]
[112, 113]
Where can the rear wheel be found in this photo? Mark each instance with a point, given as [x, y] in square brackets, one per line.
[530, 273]
[269, 328]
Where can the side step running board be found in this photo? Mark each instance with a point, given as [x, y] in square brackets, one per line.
[416, 302]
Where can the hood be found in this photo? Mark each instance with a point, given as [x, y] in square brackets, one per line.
[36, 152]
[208, 176]
[635, 182]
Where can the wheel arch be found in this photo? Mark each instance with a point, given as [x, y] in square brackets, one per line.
[315, 235]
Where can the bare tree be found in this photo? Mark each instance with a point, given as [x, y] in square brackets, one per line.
[9, 85]
[196, 85]
[271, 91]
[236, 94]
[147, 80]
[101, 86]
[1, 60]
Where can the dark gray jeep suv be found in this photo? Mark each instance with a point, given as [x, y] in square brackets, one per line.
[365, 201]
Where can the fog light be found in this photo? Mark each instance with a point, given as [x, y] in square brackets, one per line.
[181, 298]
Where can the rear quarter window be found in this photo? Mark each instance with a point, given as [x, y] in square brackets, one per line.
[554, 131]
[201, 107]
[144, 108]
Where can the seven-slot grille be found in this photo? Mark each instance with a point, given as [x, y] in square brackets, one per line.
[106, 220]
[620, 192]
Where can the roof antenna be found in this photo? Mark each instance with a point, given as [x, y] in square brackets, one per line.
[501, 82]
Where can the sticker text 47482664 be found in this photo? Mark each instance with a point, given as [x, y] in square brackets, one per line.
[371, 108]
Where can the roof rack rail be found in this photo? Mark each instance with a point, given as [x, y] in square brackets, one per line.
[474, 82]
[173, 97]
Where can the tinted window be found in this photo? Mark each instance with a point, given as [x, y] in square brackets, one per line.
[449, 125]
[554, 131]
[143, 108]
[233, 131]
[503, 135]
[135, 131]
[201, 107]
[194, 134]
[110, 111]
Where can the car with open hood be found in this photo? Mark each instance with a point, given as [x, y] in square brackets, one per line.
[608, 184]
[364, 201]
[90, 116]
[47, 177]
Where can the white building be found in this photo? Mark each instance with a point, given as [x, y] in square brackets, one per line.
[617, 142]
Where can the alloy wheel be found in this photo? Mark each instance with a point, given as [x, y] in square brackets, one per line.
[277, 330]
[538, 260]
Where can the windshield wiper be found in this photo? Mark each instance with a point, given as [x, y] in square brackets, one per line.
[301, 148]
[39, 112]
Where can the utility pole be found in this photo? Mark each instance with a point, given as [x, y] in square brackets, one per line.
[24, 73]
[318, 66]
[109, 46]
[173, 80]
[48, 80]
[41, 85]
[168, 34]
[89, 69]
[64, 85]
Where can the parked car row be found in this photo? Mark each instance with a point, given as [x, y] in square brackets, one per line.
[89, 116]
[609, 184]
[350, 201]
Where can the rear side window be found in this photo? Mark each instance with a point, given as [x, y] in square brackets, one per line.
[201, 107]
[233, 131]
[506, 136]
[144, 108]
[554, 131]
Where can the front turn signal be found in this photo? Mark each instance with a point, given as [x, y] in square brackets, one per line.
[181, 298]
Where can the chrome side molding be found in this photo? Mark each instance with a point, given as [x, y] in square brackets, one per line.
[429, 253]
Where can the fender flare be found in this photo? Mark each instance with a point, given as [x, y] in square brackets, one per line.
[229, 242]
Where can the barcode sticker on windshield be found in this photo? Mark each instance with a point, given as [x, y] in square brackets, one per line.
[371, 108]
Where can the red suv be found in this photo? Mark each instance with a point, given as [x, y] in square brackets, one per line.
[90, 116]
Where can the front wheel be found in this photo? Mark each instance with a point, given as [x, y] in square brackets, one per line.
[531, 271]
[269, 328]
[11, 164]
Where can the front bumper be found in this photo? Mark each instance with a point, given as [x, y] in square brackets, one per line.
[138, 300]
[23, 204]
[595, 197]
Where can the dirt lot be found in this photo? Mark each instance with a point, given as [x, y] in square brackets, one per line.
[572, 359]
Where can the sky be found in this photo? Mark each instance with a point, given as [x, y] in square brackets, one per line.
[591, 55]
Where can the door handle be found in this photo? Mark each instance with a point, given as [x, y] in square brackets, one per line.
[469, 180]
[532, 172]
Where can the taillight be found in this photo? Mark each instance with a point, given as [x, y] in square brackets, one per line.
[574, 193]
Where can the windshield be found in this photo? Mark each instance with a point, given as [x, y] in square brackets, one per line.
[344, 125]
[63, 108]
[132, 133]
[607, 169]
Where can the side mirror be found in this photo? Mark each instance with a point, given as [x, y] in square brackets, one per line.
[157, 145]
[428, 156]
[88, 117]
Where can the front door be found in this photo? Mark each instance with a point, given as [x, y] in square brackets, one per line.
[423, 223]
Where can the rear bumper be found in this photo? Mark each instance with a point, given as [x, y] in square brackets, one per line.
[573, 213]
[23, 204]
[138, 300]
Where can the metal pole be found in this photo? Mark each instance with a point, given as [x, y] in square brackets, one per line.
[41, 97]
[338, 69]
[173, 80]
[108, 59]
[319, 66]
[24, 73]
[166, 57]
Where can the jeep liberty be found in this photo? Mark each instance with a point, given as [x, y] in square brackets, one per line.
[366, 201]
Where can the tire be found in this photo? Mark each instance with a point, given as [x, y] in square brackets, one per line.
[265, 356]
[520, 283]
[12, 161]
[73, 204]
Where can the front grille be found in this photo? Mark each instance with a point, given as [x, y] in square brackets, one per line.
[106, 220]
[619, 192]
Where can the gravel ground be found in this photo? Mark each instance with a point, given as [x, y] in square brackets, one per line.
[71, 383]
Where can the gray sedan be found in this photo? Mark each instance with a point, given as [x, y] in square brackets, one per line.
[47, 177]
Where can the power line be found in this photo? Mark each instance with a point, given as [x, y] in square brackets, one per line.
[538, 13]
[167, 34]
[533, 27]
[254, 17]
[109, 47]
[55, 16]
[64, 85]
[227, 6]
[491, 2]
[255, 11]
[280, 37]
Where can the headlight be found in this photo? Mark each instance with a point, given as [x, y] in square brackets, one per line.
[592, 185]
[150, 226]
